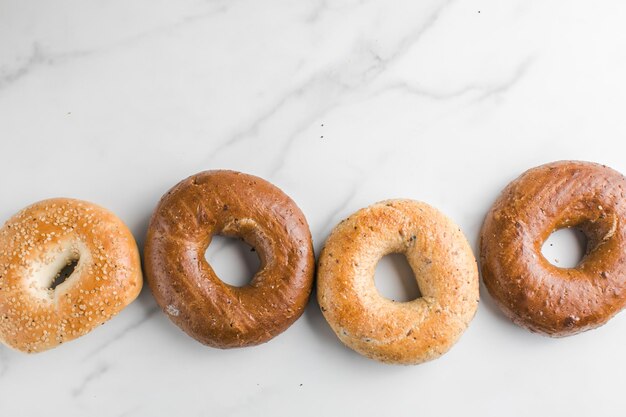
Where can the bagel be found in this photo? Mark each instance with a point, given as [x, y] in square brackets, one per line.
[231, 204]
[444, 267]
[532, 292]
[35, 246]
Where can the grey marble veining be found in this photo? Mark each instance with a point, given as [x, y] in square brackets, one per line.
[340, 103]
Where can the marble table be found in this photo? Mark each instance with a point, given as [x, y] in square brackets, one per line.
[341, 103]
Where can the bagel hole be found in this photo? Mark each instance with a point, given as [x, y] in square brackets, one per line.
[565, 248]
[64, 274]
[233, 260]
[395, 280]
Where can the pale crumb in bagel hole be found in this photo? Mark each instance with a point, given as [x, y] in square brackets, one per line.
[56, 270]
[395, 279]
[565, 248]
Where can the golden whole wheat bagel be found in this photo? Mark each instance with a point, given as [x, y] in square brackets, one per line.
[444, 266]
[234, 204]
[530, 290]
[35, 245]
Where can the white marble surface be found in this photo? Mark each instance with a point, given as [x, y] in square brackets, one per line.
[340, 103]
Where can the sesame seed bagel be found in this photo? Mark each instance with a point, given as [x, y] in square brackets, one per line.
[189, 291]
[530, 290]
[444, 267]
[35, 246]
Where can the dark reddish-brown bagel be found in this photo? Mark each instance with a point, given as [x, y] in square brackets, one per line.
[530, 290]
[186, 287]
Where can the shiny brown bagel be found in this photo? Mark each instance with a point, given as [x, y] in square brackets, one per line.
[186, 287]
[35, 245]
[530, 290]
[444, 266]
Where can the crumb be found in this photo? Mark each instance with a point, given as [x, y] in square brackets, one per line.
[172, 311]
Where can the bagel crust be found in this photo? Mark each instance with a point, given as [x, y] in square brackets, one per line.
[35, 245]
[444, 266]
[530, 290]
[232, 204]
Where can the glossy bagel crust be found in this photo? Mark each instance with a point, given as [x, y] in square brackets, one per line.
[186, 287]
[530, 290]
[444, 266]
[35, 245]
